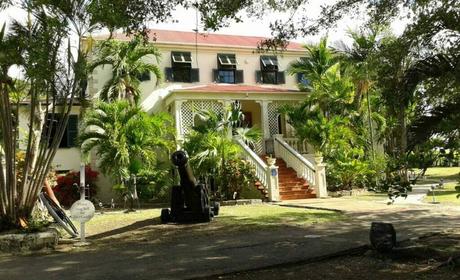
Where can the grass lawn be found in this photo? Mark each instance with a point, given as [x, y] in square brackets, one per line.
[437, 173]
[447, 195]
[241, 218]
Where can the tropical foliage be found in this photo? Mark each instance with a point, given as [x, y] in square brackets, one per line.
[214, 153]
[128, 65]
[378, 92]
[126, 140]
[66, 189]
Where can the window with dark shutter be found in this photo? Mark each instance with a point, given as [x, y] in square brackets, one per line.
[169, 74]
[72, 131]
[280, 78]
[301, 79]
[195, 75]
[259, 76]
[239, 76]
[69, 138]
[145, 76]
[226, 68]
[181, 67]
[269, 70]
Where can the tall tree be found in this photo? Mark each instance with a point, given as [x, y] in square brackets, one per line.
[48, 47]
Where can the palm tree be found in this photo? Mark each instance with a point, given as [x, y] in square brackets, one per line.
[128, 66]
[319, 58]
[360, 58]
[125, 138]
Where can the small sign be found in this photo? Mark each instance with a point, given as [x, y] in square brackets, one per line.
[82, 210]
[274, 172]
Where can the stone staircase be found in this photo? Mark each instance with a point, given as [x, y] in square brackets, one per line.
[290, 186]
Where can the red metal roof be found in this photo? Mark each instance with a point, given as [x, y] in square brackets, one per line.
[210, 39]
[225, 88]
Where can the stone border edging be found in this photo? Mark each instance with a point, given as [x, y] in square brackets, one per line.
[240, 202]
[310, 207]
[25, 242]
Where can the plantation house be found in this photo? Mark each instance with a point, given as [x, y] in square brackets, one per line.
[210, 71]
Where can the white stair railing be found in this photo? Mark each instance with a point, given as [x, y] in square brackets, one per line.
[267, 175]
[315, 175]
[304, 168]
[299, 145]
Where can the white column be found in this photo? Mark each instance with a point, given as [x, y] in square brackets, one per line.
[264, 122]
[264, 118]
[320, 178]
[178, 120]
[226, 103]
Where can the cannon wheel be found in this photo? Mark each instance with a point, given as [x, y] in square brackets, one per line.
[215, 208]
[165, 216]
[58, 214]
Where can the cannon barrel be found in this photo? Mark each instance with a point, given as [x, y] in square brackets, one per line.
[180, 159]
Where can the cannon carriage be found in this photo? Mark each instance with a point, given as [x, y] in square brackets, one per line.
[190, 200]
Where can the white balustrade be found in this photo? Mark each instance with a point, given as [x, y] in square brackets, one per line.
[304, 168]
[299, 145]
[267, 175]
[314, 174]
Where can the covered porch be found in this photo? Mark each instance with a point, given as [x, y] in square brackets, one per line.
[259, 104]
[295, 174]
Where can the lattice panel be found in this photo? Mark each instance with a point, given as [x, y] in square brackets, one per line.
[273, 116]
[190, 108]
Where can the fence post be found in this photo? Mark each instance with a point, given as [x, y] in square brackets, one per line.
[320, 178]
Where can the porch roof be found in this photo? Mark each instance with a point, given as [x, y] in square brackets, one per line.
[230, 88]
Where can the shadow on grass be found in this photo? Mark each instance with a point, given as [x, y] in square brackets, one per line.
[281, 219]
[134, 226]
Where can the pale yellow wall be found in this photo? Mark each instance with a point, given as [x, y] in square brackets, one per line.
[254, 108]
[206, 61]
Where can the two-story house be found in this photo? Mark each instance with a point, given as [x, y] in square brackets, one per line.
[210, 71]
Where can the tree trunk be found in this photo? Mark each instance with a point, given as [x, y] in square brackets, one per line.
[402, 127]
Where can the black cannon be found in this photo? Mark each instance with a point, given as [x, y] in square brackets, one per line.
[190, 200]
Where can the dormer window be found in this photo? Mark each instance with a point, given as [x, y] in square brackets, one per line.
[269, 72]
[181, 70]
[226, 70]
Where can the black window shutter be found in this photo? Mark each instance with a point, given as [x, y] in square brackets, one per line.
[195, 74]
[258, 76]
[280, 78]
[144, 76]
[72, 131]
[299, 77]
[215, 75]
[169, 74]
[239, 76]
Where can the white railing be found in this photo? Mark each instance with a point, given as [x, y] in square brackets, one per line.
[267, 175]
[304, 168]
[299, 145]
